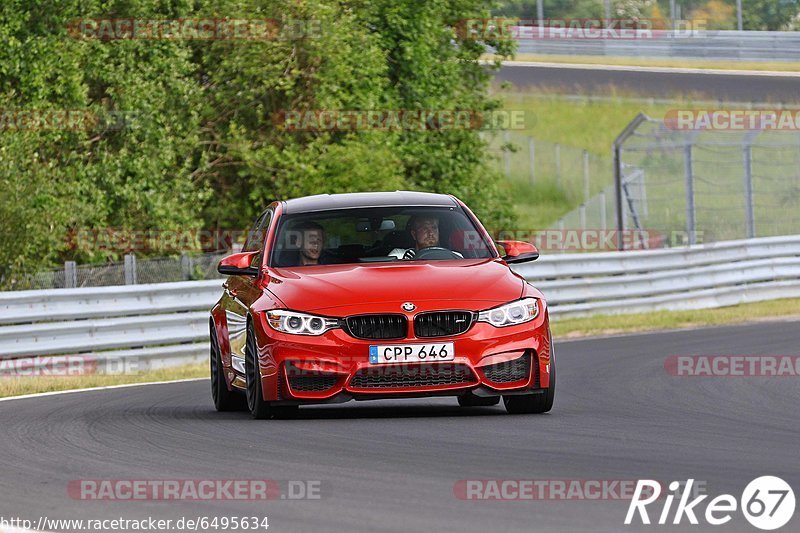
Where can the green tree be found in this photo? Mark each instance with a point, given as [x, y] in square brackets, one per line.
[769, 14]
[131, 175]
[198, 146]
[369, 55]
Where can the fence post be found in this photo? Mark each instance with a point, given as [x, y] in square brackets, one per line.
[750, 221]
[739, 24]
[532, 157]
[689, 176]
[616, 149]
[70, 275]
[602, 210]
[130, 269]
[186, 266]
[585, 176]
[617, 153]
[582, 211]
[558, 164]
[672, 14]
[506, 153]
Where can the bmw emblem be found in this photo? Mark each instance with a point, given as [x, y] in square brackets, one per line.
[408, 306]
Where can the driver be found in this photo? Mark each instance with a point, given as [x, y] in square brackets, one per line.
[425, 232]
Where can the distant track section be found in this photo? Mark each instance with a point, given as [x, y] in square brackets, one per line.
[749, 86]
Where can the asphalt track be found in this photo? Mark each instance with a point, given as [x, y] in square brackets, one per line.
[659, 83]
[392, 465]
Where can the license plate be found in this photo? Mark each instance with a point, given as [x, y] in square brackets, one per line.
[411, 353]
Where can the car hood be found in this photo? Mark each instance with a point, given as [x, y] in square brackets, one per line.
[473, 284]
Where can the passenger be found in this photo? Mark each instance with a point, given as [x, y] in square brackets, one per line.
[312, 242]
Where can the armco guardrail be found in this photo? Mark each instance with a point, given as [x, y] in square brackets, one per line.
[153, 325]
[689, 44]
[696, 277]
[166, 324]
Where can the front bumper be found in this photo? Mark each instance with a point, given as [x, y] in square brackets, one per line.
[335, 367]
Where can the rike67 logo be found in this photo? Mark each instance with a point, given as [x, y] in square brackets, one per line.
[767, 503]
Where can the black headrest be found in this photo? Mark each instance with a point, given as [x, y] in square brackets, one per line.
[399, 239]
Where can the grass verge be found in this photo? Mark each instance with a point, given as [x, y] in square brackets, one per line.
[575, 124]
[582, 123]
[665, 320]
[16, 386]
[777, 66]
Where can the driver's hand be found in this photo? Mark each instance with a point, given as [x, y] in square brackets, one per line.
[410, 253]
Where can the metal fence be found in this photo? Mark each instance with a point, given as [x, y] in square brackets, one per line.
[710, 45]
[573, 171]
[675, 188]
[162, 324]
[709, 185]
[131, 271]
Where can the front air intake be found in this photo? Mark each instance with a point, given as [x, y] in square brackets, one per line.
[509, 371]
[412, 376]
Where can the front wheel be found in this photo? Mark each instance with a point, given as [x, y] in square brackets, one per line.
[534, 403]
[260, 408]
[224, 399]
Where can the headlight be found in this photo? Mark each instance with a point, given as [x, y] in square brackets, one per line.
[510, 314]
[300, 323]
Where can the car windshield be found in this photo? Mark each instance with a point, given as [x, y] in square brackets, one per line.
[377, 234]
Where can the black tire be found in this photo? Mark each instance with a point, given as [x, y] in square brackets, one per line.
[224, 399]
[535, 403]
[256, 404]
[470, 400]
[258, 407]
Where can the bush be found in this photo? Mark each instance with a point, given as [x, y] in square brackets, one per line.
[198, 147]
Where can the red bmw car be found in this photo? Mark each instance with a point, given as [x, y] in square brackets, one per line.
[378, 295]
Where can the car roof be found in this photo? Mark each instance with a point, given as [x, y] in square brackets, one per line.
[325, 202]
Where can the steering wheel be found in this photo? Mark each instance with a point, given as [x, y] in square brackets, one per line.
[436, 252]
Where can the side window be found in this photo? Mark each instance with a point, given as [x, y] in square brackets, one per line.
[255, 238]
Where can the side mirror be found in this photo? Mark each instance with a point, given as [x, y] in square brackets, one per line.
[519, 252]
[238, 264]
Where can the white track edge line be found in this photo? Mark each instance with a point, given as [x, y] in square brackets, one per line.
[90, 389]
